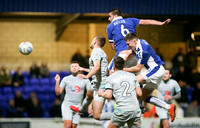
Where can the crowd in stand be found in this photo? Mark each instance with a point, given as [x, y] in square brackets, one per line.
[22, 98]
[25, 100]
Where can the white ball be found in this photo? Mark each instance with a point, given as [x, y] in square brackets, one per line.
[25, 48]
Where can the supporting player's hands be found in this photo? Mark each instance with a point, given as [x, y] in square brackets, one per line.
[168, 97]
[57, 78]
[100, 92]
[166, 21]
[82, 76]
[80, 69]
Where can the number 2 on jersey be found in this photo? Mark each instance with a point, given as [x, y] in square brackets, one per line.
[125, 92]
[124, 31]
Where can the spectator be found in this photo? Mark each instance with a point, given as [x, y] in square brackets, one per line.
[35, 70]
[5, 77]
[196, 92]
[183, 101]
[44, 70]
[35, 109]
[19, 102]
[29, 101]
[18, 78]
[11, 110]
[181, 75]
[87, 58]
[55, 110]
[191, 59]
[178, 60]
[79, 58]
[192, 109]
[159, 54]
[194, 77]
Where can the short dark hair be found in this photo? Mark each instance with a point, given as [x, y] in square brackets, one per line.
[75, 62]
[102, 40]
[116, 11]
[119, 62]
[130, 36]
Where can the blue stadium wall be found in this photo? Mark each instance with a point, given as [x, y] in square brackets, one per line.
[138, 7]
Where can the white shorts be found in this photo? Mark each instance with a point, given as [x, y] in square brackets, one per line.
[96, 97]
[162, 113]
[68, 114]
[153, 77]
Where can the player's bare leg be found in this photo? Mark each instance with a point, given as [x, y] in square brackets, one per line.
[111, 125]
[74, 125]
[164, 123]
[146, 96]
[97, 108]
[86, 103]
[67, 123]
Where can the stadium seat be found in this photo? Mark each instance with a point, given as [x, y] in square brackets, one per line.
[26, 74]
[15, 89]
[45, 82]
[189, 93]
[26, 81]
[53, 74]
[34, 81]
[64, 73]
[7, 90]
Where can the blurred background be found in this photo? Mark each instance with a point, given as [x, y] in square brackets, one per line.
[62, 31]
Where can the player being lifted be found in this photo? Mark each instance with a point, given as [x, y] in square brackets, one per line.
[153, 75]
[74, 88]
[125, 88]
[119, 28]
[98, 71]
[167, 90]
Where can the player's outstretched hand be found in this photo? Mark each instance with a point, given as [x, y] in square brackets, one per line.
[81, 76]
[166, 21]
[57, 77]
[100, 92]
[81, 69]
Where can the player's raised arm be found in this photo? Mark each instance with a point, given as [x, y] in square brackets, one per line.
[58, 89]
[107, 94]
[138, 91]
[84, 69]
[153, 22]
[97, 66]
[136, 68]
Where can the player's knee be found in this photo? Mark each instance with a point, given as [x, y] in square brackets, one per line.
[89, 96]
[96, 116]
[67, 125]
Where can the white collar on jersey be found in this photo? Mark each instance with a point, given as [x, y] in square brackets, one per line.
[116, 18]
[137, 46]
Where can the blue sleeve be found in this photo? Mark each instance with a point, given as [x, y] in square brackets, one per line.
[145, 57]
[109, 33]
[135, 21]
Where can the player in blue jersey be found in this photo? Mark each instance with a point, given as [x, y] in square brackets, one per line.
[75, 89]
[120, 27]
[154, 74]
[168, 89]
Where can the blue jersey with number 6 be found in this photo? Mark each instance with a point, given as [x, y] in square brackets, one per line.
[118, 29]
